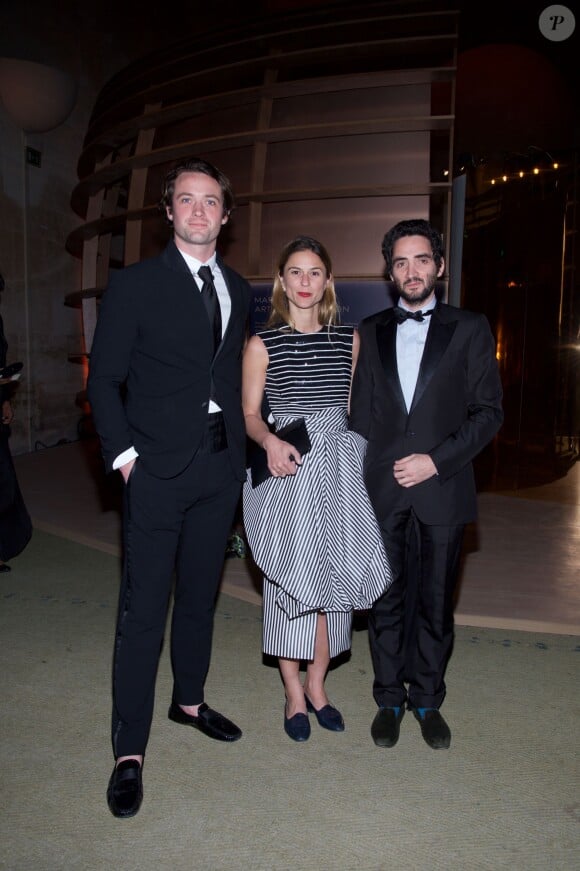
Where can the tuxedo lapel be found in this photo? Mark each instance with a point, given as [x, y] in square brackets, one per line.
[438, 338]
[387, 346]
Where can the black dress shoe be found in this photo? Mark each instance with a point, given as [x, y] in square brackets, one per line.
[5, 568]
[434, 729]
[125, 790]
[207, 721]
[386, 726]
[327, 716]
[297, 727]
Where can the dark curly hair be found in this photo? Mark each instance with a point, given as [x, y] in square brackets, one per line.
[413, 227]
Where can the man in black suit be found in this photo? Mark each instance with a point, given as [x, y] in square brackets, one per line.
[427, 396]
[164, 387]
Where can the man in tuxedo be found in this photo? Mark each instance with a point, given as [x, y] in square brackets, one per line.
[164, 386]
[427, 397]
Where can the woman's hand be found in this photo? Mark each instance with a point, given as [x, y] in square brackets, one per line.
[283, 458]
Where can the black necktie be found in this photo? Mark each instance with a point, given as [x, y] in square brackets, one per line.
[401, 314]
[212, 305]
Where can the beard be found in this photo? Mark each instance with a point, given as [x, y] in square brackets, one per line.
[416, 297]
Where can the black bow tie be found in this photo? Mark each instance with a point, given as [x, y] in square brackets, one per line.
[402, 314]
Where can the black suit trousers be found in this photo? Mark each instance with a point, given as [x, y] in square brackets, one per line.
[176, 527]
[411, 626]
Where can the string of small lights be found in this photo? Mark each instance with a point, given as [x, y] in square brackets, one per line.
[521, 174]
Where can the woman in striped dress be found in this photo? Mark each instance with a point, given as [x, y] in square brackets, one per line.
[310, 526]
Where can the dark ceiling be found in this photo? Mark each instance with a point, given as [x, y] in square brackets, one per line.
[515, 87]
[141, 28]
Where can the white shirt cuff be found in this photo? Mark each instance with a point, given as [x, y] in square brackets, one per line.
[125, 457]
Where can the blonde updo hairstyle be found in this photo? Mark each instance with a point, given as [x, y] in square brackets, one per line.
[279, 308]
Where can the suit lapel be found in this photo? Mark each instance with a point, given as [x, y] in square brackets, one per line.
[188, 289]
[228, 280]
[438, 338]
[173, 260]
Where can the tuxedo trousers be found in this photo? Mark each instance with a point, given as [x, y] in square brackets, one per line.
[411, 625]
[175, 535]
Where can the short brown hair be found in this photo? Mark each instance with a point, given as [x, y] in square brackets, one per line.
[196, 164]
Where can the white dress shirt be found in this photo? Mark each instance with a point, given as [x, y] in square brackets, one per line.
[411, 338]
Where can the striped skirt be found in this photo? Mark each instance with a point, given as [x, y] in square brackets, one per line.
[315, 537]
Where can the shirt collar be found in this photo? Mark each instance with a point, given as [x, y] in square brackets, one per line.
[425, 308]
[195, 264]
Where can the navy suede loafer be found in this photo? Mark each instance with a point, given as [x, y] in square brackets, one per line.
[328, 717]
[297, 727]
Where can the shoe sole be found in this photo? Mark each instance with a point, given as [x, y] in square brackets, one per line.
[121, 815]
[438, 745]
[382, 743]
[299, 740]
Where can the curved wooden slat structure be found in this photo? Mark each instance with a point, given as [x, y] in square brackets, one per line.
[336, 121]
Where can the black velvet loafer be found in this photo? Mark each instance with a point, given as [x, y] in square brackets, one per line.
[434, 729]
[328, 717]
[207, 721]
[297, 727]
[125, 790]
[386, 726]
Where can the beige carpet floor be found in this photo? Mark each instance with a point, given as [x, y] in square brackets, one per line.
[505, 796]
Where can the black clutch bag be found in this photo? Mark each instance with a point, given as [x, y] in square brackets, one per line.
[295, 433]
[11, 370]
